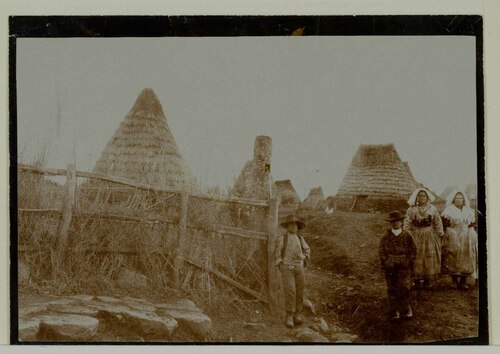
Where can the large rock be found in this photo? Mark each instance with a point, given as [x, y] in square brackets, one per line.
[344, 338]
[310, 306]
[68, 327]
[74, 309]
[148, 323]
[23, 273]
[320, 325]
[62, 301]
[28, 329]
[129, 279]
[108, 299]
[82, 297]
[188, 315]
[310, 336]
[31, 310]
[107, 309]
[139, 305]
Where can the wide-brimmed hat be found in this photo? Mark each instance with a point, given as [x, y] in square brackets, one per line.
[395, 215]
[293, 219]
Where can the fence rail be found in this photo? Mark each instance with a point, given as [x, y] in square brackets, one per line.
[139, 185]
[68, 212]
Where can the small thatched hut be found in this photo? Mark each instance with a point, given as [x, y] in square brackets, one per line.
[289, 195]
[377, 179]
[143, 148]
[315, 200]
[290, 200]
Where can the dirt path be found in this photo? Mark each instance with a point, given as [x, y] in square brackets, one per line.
[348, 289]
[356, 296]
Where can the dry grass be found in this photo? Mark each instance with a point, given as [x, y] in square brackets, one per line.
[99, 247]
[241, 259]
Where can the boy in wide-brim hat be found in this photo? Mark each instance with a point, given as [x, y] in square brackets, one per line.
[397, 251]
[292, 252]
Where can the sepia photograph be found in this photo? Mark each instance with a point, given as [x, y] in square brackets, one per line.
[247, 179]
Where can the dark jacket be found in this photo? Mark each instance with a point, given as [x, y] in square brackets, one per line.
[397, 252]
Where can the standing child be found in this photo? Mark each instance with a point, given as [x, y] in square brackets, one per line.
[291, 253]
[397, 251]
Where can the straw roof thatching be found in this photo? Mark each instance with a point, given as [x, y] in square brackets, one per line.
[289, 195]
[377, 171]
[314, 200]
[143, 148]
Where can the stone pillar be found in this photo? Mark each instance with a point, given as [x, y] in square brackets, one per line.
[262, 152]
[254, 181]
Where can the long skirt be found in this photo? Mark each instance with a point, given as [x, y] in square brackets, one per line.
[427, 264]
[460, 251]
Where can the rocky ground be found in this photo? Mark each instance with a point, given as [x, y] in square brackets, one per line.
[346, 303]
[113, 319]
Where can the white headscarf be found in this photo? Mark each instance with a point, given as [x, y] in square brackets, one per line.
[452, 195]
[455, 214]
[413, 199]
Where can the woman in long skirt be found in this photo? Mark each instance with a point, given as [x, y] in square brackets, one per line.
[460, 240]
[424, 224]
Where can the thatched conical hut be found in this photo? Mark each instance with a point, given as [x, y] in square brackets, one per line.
[289, 195]
[315, 199]
[143, 148]
[290, 200]
[377, 179]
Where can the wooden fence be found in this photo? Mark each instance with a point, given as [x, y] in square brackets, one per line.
[69, 211]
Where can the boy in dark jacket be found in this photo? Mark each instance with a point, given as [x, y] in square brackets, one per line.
[397, 251]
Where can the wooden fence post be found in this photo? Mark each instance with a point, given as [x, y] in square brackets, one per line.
[181, 237]
[67, 213]
[272, 283]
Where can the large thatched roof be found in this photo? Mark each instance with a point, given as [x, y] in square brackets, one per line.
[314, 200]
[377, 171]
[289, 195]
[143, 148]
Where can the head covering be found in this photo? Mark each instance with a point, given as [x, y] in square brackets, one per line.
[293, 219]
[452, 195]
[413, 199]
[451, 212]
[395, 215]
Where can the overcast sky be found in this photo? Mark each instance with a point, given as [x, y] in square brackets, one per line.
[318, 98]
